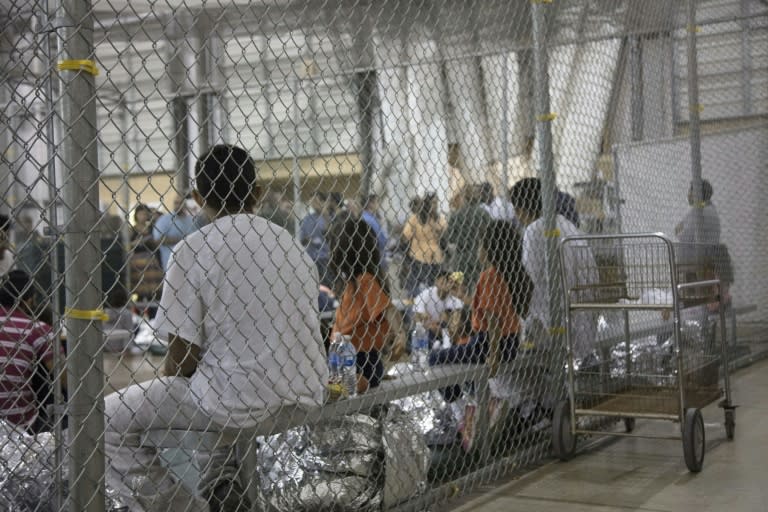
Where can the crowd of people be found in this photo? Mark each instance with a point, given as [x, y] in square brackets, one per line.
[239, 305]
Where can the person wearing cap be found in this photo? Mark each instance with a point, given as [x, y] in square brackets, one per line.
[25, 343]
[526, 196]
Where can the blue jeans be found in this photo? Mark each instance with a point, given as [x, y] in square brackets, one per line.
[370, 366]
[474, 352]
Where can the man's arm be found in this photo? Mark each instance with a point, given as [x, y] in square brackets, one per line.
[182, 357]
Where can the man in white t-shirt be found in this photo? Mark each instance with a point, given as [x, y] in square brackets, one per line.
[580, 267]
[431, 306]
[239, 310]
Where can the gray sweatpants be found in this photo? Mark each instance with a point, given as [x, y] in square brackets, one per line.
[136, 472]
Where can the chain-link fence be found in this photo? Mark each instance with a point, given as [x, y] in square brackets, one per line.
[303, 255]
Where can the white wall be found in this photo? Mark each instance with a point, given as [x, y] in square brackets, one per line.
[654, 179]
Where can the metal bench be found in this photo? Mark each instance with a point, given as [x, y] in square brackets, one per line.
[242, 442]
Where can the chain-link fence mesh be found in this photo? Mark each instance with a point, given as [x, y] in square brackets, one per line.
[221, 219]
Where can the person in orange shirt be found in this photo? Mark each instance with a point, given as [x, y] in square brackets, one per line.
[502, 294]
[365, 311]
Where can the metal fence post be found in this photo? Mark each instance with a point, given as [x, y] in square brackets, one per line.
[546, 169]
[694, 125]
[85, 371]
[505, 139]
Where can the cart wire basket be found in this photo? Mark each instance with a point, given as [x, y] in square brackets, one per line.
[673, 381]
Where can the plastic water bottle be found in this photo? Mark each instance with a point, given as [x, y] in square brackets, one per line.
[334, 359]
[420, 348]
[348, 357]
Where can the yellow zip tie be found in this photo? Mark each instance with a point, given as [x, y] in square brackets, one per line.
[693, 28]
[527, 345]
[79, 65]
[541, 1]
[554, 233]
[697, 108]
[556, 330]
[86, 314]
[547, 117]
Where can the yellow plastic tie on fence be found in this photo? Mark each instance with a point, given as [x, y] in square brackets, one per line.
[79, 65]
[697, 108]
[86, 314]
[552, 233]
[541, 1]
[547, 117]
[527, 345]
[693, 28]
[454, 491]
[554, 331]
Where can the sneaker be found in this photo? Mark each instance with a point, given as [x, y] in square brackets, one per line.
[229, 496]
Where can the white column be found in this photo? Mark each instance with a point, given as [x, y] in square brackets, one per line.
[465, 90]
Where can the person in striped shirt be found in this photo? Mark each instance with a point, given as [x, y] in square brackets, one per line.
[24, 343]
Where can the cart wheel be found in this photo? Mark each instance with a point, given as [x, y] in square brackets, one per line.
[694, 442]
[629, 425]
[730, 423]
[563, 439]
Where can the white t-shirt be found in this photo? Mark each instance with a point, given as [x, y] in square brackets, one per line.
[428, 302]
[581, 269]
[244, 291]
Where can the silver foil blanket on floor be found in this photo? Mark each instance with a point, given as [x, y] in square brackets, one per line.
[27, 473]
[652, 357]
[343, 464]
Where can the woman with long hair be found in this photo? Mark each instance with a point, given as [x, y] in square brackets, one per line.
[365, 312]
[422, 232]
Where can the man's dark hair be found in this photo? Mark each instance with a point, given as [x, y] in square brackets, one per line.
[226, 177]
[485, 192]
[706, 190]
[141, 207]
[15, 287]
[526, 195]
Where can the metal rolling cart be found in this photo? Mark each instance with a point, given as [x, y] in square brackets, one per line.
[646, 272]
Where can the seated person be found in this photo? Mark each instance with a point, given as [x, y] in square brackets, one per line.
[239, 310]
[365, 310]
[459, 326]
[431, 306]
[501, 298]
[25, 345]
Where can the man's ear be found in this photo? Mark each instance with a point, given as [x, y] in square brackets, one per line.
[198, 198]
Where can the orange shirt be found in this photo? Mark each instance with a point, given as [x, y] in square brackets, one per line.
[492, 296]
[361, 314]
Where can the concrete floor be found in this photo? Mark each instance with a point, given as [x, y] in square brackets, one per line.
[650, 475]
